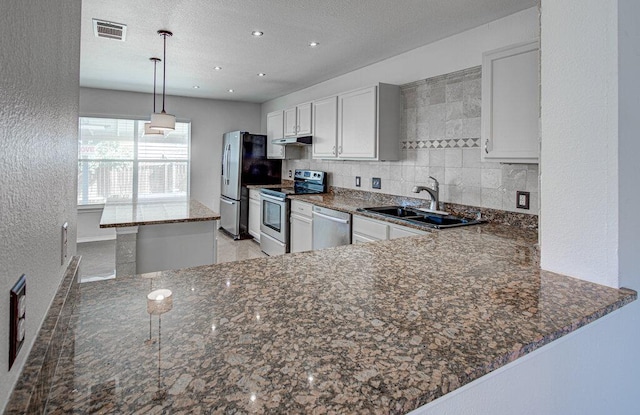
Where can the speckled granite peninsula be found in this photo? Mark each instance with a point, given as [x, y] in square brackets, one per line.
[370, 328]
[161, 234]
[123, 214]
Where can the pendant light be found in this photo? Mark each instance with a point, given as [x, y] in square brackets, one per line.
[148, 131]
[163, 121]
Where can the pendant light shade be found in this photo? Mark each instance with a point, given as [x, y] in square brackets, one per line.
[163, 121]
[148, 131]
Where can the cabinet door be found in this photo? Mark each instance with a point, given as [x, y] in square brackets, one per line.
[372, 229]
[290, 122]
[255, 218]
[301, 236]
[274, 130]
[325, 127]
[304, 117]
[511, 104]
[361, 239]
[396, 231]
[357, 121]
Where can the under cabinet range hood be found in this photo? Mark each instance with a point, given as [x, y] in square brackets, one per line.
[294, 141]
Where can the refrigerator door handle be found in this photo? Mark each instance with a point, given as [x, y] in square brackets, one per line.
[228, 162]
[227, 202]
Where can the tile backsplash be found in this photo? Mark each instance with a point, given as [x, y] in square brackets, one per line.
[440, 137]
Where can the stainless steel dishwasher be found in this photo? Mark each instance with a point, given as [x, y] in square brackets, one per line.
[330, 228]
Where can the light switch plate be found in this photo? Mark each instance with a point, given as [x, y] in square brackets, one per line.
[65, 243]
[376, 183]
[357, 181]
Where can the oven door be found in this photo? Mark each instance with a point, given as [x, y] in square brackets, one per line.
[275, 215]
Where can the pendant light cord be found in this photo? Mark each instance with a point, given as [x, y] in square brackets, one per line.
[155, 63]
[164, 70]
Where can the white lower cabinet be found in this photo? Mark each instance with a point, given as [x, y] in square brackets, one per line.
[255, 214]
[370, 230]
[301, 237]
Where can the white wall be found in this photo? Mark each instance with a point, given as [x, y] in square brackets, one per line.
[209, 120]
[587, 372]
[579, 156]
[89, 225]
[447, 55]
[628, 143]
[38, 158]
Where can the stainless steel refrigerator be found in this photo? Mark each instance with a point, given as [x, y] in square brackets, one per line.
[244, 162]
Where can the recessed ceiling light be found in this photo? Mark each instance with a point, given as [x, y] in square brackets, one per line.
[314, 44]
[257, 33]
[262, 74]
[218, 68]
[196, 87]
[230, 90]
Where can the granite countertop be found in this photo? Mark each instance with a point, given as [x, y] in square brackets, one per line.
[351, 205]
[122, 214]
[381, 327]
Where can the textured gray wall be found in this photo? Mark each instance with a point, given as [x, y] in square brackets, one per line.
[39, 56]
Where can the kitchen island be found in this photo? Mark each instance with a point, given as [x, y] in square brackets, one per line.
[381, 327]
[161, 235]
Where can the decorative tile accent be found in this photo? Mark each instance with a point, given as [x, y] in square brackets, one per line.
[442, 143]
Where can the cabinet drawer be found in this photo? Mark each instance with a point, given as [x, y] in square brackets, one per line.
[397, 231]
[301, 208]
[369, 227]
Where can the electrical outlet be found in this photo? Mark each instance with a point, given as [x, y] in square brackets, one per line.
[18, 305]
[357, 181]
[289, 173]
[522, 199]
[376, 183]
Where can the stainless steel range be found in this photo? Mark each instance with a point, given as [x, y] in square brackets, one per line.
[274, 229]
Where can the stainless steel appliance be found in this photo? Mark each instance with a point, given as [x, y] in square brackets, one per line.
[330, 228]
[274, 229]
[244, 162]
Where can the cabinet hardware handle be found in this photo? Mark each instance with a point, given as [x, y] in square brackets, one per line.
[486, 146]
[333, 150]
[340, 150]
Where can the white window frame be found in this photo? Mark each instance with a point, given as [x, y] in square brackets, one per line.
[138, 121]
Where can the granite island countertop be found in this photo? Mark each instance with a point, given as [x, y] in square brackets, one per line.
[123, 214]
[381, 327]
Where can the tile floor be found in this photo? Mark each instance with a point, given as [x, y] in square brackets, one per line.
[98, 258]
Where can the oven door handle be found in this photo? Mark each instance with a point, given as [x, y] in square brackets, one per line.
[272, 198]
[331, 218]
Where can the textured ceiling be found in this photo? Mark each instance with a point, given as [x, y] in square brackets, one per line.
[207, 33]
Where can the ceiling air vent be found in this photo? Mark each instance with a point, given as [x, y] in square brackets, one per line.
[109, 30]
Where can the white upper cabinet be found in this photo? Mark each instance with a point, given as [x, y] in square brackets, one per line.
[357, 124]
[274, 130]
[325, 127]
[367, 125]
[511, 104]
[297, 120]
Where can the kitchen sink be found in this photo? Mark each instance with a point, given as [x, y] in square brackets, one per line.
[417, 217]
[395, 211]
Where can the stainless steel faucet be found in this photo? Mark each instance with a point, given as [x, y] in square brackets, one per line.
[433, 192]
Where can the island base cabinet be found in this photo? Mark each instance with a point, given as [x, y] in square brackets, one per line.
[175, 245]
